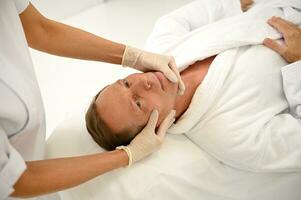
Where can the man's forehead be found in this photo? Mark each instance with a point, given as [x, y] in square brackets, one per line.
[114, 108]
[110, 92]
[104, 91]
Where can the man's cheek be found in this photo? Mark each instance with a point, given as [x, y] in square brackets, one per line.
[154, 104]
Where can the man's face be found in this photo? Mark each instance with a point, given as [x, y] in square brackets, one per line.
[128, 103]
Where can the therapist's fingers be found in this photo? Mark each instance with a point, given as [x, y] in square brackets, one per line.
[167, 122]
[168, 71]
[170, 75]
[274, 46]
[181, 84]
[153, 119]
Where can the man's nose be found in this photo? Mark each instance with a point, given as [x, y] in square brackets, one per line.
[143, 84]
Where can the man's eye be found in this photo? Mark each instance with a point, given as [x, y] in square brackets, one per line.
[139, 104]
[126, 83]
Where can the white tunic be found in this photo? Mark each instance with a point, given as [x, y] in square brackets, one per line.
[22, 121]
[239, 114]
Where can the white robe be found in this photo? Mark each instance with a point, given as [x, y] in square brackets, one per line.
[239, 114]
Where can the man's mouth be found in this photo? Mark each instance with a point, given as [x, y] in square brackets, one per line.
[159, 77]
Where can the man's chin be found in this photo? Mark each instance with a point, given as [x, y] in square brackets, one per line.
[172, 89]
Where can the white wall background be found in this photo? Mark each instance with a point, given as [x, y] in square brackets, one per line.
[68, 85]
[58, 9]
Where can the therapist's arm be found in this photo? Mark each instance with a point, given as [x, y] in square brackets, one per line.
[46, 176]
[59, 39]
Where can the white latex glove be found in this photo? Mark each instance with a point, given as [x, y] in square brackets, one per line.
[145, 61]
[148, 141]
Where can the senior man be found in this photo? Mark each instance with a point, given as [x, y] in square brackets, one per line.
[240, 99]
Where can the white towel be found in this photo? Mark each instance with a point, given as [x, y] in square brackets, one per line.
[239, 113]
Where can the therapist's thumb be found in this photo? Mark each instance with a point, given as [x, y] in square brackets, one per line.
[274, 45]
[153, 119]
[167, 122]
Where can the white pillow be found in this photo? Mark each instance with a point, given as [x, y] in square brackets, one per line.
[71, 138]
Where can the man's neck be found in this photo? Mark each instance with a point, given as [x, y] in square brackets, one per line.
[192, 77]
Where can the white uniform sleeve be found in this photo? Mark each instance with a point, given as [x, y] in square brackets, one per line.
[21, 5]
[291, 75]
[12, 166]
[172, 27]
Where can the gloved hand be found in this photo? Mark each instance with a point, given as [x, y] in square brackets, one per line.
[146, 61]
[148, 141]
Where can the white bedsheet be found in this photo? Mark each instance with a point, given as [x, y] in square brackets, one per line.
[179, 171]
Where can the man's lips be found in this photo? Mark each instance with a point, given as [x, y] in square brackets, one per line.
[159, 75]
